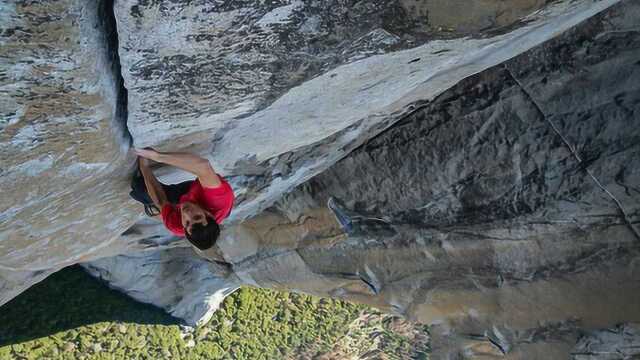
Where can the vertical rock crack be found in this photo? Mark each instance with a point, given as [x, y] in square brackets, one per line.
[110, 29]
[623, 213]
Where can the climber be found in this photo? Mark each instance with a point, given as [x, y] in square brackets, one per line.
[193, 208]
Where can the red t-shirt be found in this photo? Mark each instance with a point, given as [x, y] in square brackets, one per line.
[218, 201]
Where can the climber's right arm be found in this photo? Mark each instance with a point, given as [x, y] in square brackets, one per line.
[154, 188]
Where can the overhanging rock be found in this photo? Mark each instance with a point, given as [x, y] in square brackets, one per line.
[63, 163]
[471, 210]
[280, 136]
[504, 213]
[474, 214]
[288, 137]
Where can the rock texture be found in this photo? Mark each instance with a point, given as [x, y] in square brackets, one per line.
[620, 342]
[505, 212]
[316, 122]
[188, 287]
[194, 69]
[62, 140]
[491, 181]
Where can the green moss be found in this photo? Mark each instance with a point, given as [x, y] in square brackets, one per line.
[70, 315]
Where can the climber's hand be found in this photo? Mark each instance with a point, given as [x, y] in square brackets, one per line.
[147, 153]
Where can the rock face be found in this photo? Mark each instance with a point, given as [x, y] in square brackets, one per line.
[188, 288]
[316, 122]
[62, 140]
[491, 182]
[619, 342]
[505, 212]
[194, 69]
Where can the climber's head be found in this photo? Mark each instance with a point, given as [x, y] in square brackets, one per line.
[200, 227]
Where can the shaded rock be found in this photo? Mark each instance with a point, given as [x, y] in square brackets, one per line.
[502, 213]
[259, 168]
[492, 193]
[341, 105]
[474, 214]
[620, 342]
[177, 280]
[467, 17]
[69, 347]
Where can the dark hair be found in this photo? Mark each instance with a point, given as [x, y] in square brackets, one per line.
[204, 236]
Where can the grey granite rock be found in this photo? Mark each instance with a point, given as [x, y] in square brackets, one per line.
[620, 342]
[178, 280]
[261, 169]
[473, 214]
[279, 136]
[491, 187]
[504, 213]
[63, 142]
[194, 69]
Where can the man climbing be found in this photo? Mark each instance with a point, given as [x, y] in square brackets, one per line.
[192, 209]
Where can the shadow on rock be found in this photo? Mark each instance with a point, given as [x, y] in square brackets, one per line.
[69, 299]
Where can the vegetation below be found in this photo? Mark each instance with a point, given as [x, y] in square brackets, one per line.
[71, 315]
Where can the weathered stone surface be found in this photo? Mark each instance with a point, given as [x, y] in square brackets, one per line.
[467, 17]
[471, 210]
[380, 89]
[474, 215]
[273, 140]
[62, 146]
[188, 287]
[621, 342]
[194, 69]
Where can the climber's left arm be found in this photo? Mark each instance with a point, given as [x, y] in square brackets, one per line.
[192, 163]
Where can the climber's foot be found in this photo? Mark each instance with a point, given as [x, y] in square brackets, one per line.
[341, 215]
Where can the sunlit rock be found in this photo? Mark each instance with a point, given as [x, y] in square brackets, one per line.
[486, 154]
[62, 140]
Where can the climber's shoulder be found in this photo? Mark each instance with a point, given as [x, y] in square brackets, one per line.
[208, 177]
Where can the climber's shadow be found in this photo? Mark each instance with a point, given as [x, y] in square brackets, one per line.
[69, 299]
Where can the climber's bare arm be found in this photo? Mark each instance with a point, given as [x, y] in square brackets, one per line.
[186, 161]
[154, 188]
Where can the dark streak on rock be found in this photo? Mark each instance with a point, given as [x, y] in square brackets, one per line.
[109, 28]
